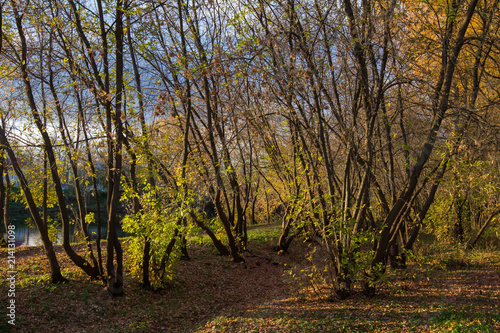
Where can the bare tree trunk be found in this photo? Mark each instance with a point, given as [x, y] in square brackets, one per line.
[473, 240]
[115, 276]
[55, 271]
[223, 251]
[82, 212]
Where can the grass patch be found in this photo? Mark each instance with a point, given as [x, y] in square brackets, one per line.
[265, 234]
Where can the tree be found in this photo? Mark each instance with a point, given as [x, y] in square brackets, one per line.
[22, 58]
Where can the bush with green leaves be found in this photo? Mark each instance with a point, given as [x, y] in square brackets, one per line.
[469, 193]
[159, 222]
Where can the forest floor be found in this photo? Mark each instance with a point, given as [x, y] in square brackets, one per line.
[446, 292]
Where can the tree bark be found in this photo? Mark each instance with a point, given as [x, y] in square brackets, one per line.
[55, 271]
[473, 240]
[115, 276]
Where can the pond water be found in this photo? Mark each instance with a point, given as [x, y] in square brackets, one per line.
[27, 236]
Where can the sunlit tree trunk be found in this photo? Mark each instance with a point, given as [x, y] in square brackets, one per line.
[55, 271]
